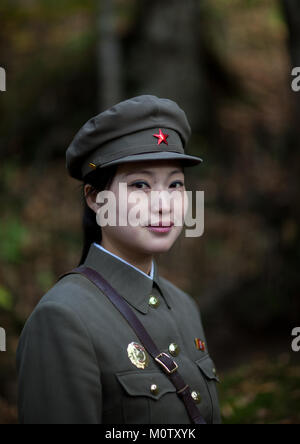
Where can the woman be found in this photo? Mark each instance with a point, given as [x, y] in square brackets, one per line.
[79, 360]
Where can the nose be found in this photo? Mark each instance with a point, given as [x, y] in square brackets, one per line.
[161, 202]
[161, 210]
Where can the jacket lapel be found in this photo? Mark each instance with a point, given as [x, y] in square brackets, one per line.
[132, 285]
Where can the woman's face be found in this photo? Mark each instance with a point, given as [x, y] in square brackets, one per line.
[168, 210]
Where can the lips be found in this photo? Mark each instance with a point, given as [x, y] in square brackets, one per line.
[162, 225]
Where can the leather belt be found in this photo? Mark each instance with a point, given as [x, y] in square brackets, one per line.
[164, 361]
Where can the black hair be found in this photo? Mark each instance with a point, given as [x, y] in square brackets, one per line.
[99, 179]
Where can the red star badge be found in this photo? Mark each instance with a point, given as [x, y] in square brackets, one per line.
[161, 137]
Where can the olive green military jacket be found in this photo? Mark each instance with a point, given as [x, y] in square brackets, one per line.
[72, 358]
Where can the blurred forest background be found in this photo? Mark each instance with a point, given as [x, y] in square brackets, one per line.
[228, 64]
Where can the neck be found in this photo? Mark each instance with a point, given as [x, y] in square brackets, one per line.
[141, 261]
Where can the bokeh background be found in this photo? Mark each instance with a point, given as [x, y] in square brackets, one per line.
[228, 64]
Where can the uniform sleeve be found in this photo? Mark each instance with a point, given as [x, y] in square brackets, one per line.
[58, 374]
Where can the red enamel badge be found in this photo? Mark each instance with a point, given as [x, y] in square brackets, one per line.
[161, 137]
[200, 344]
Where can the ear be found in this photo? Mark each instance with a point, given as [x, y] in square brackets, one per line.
[90, 196]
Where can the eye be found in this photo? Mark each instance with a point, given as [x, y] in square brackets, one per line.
[139, 185]
[179, 184]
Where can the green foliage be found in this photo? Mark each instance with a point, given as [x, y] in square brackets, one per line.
[12, 238]
[45, 279]
[6, 299]
[264, 391]
[8, 174]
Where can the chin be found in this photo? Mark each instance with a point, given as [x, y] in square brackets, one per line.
[159, 246]
[155, 243]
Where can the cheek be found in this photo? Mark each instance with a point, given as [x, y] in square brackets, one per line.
[185, 203]
[135, 210]
[180, 208]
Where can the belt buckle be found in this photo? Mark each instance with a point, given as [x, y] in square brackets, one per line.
[164, 365]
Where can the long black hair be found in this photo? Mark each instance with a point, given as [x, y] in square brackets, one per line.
[99, 179]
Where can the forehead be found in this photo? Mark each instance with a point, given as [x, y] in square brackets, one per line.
[154, 167]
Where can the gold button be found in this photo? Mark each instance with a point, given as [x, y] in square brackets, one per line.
[196, 396]
[153, 301]
[174, 349]
[154, 389]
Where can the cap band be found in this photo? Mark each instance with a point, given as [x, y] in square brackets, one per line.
[137, 143]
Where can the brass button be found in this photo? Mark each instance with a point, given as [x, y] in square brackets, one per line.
[196, 396]
[154, 301]
[154, 389]
[174, 349]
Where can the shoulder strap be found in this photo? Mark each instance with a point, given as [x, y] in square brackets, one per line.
[164, 361]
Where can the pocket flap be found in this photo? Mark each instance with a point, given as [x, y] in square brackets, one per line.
[139, 383]
[207, 366]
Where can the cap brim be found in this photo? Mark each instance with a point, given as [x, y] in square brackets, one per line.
[184, 158]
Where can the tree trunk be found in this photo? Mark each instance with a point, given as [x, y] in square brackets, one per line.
[163, 56]
[291, 9]
[109, 56]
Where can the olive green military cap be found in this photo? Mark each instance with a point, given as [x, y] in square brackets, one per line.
[138, 129]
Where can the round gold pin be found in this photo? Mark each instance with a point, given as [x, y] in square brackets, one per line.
[196, 396]
[154, 389]
[154, 301]
[138, 355]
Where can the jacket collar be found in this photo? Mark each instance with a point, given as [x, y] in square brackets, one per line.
[128, 282]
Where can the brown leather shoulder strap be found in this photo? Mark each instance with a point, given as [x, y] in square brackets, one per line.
[164, 361]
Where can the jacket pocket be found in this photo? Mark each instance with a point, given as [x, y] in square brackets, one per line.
[207, 367]
[208, 371]
[140, 383]
[144, 395]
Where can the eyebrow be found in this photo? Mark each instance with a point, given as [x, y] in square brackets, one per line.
[150, 172]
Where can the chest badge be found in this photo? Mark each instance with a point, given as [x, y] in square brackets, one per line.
[200, 345]
[138, 355]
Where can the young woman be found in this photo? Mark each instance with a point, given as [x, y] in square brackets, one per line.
[79, 359]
